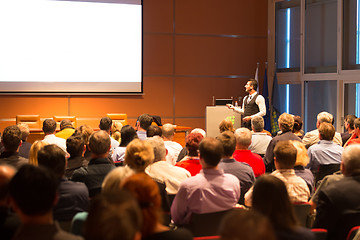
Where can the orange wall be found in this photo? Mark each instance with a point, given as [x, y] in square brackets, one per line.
[188, 57]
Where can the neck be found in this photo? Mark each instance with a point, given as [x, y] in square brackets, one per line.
[252, 91]
[241, 147]
[104, 155]
[42, 219]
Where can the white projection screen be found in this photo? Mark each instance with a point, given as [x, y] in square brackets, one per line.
[71, 46]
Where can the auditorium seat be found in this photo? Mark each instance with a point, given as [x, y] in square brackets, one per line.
[58, 119]
[302, 212]
[33, 121]
[121, 117]
[320, 233]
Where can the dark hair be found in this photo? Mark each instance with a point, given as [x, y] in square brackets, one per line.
[253, 83]
[153, 130]
[11, 138]
[211, 150]
[105, 123]
[34, 190]
[246, 225]
[99, 142]
[228, 142]
[192, 142]
[49, 125]
[75, 144]
[52, 157]
[114, 215]
[285, 153]
[298, 122]
[350, 120]
[326, 131]
[128, 134]
[145, 121]
[66, 123]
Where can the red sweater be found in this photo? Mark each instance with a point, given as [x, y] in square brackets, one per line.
[253, 159]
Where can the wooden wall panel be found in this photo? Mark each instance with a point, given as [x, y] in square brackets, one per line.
[191, 122]
[158, 15]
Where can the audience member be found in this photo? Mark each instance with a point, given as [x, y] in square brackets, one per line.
[105, 125]
[114, 216]
[183, 153]
[285, 158]
[36, 146]
[246, 225]
[146, 191]
[142, 124]
[243, 154]
[33, 195]
[128, 134]
[349, 127]
[11, 140]
[9, 221]
[99, 165]
[162, 171]
[339, 203]
[286, 124]
[116, 130]
[153, 130]
[49, 128]
[259, 139]
[226, 125]
[25, 146]
[86, 132]
[66, 129]
[302, 160]
[75, 146]
[355, 138]
[271, 198]
[173, 148]
[211, 190]
[241, 170]
[325, 157]
[191, 162]
[312, 137]
[297, 129]
[73, 196]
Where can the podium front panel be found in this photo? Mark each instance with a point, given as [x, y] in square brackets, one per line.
[215, 114]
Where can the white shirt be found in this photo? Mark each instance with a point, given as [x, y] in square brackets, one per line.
[260, 101]
[52, 139]
[173, 149]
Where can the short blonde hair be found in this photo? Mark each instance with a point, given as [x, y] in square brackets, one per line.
[116, 130]
[302, 158]
[226, 125]
[286, 122]
[139, 154]
[33, 153]
[114, 178]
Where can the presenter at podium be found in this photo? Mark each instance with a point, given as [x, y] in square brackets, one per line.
[253, 104]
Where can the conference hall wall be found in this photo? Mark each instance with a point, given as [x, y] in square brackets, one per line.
[193, 50]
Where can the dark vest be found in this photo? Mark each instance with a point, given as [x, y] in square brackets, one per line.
[250, 108]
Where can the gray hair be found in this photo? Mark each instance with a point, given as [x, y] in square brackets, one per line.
[351, 159]
[168, 130]
[243, 136]
[199, 130]
[159, 148]
[258, 123]
[325, 117]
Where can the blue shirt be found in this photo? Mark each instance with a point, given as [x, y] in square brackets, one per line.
[324, 153]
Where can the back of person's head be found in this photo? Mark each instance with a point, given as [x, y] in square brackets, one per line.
[11, 138]
[128, 134]
[257, 123]
[286, 122]
[159, 148]
[25, 130]
[168, 130]
[116, 130]
[199, 130]
[253, 83]
[270, 198]
[326, 131]
[65, 123]
[75, 145]
[54, 158]
[145, 121]
[241, 224]
[113, 216]
[351, 160]
[192, 142]
[357, 123]
[211, 151]
[350, 121]
[153, 130]
[105, 124]
[6, 173]
[114, 178]
[34, 149]
[49, 126]
[285, 155]
[228, 142]
[86, 131]
[298, 122]
[99, 142]
[226, 125]
[325, 117]
[146, 191]
[138, 155]
[243, 137]
[33, 190]
[302, 157]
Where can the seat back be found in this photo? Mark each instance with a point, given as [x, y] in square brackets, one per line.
[33, 121]
[352, 233]
[121, 117]
[58, 119]
[77, 223]
[206, 224]
[302, 212]
[320, 233]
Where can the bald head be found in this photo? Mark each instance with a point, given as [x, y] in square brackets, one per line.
[350, 163]
[168, 131]
[6, 173]
[99, 142]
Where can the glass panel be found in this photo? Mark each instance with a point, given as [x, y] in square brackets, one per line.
[351, 58]
[352, 99]
[319, 96]
[287, 35]
[290, 98]
[320, 36]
